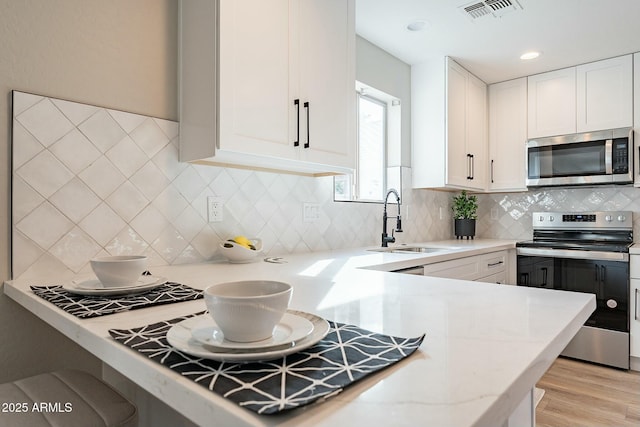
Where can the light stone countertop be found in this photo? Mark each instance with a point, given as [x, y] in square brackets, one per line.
[486, 345]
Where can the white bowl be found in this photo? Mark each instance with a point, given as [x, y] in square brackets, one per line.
[248, 311]
[237, 253]
[117, 271]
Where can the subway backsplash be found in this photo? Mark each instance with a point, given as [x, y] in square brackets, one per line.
[90, 181]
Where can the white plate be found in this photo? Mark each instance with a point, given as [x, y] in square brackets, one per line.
[93, 287]
[290, 329]
[179, 336]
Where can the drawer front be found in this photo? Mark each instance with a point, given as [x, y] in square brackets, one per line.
[493, 262]
[463, 268]
[470, 268]
[500, 278]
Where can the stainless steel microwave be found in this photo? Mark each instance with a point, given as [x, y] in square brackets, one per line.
[603, 157]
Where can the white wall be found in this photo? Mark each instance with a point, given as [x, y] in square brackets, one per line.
[379, 69]
[117, 53]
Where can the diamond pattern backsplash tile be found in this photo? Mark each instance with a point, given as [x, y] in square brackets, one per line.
[91, 181]
[509, 216]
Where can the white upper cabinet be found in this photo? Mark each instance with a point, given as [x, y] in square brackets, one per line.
[507, 135]
[326, 55]
[272, 88]
[256, 78]
[552, 103]
[604, 94]
[449, 127]
[589, 97]
[477, 131]
[458, 163]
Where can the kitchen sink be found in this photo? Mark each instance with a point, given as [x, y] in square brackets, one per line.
[409, 249]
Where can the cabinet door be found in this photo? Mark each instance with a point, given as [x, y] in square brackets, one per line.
[634, 312]
[326, 59]
[476, 129]
[552, 103]
[256, 88]
[605, 94]
[458, 160]
[507, 135]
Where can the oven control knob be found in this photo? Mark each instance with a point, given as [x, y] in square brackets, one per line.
[551, 218]
[622, 218]
[608, 218]
[541, 218]
[612, 303]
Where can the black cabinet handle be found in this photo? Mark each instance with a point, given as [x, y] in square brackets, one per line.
[636, 310]
[473, 167]
[545, 272]
[296, 102]
[306, 144]
[469, 166]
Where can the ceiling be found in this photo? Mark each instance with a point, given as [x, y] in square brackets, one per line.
[567, 32]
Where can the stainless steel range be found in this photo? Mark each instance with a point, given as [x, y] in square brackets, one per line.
[585, 252]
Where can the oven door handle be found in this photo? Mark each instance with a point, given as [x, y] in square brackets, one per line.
[569, 253]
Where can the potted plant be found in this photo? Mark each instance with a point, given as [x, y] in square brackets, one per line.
[465, 213]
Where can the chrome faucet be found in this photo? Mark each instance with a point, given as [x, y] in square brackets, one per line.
[385, 237]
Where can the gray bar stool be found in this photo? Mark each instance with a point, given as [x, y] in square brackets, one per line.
[66, 398]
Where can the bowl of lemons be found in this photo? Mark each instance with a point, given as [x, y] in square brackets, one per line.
[241, 249]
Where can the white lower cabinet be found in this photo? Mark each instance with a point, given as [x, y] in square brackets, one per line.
[634, 310]
[490, 268]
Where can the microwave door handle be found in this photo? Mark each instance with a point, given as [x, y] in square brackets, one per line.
[608, 157]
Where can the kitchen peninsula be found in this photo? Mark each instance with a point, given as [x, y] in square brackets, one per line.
[486, 345]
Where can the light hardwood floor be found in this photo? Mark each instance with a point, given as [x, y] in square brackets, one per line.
[583, 394]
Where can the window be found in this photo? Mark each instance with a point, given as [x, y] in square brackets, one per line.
[375, 139]
[372, 142]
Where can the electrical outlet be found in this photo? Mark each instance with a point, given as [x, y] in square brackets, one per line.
[215, 207]
[310, 212]
[494, 214]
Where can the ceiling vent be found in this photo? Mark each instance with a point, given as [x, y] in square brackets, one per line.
[495, 8]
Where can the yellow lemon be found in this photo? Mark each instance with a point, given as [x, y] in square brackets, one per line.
[243, 241]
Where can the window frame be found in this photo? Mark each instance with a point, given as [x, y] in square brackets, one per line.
[392, 143]
[362, 94]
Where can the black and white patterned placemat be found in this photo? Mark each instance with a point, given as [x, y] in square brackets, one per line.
[93, 306]
[347, 354]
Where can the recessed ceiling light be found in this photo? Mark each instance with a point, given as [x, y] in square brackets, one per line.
[529, 55]
[417, 25]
